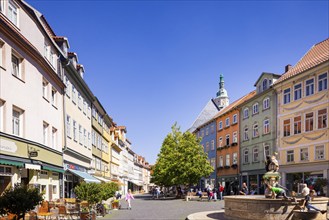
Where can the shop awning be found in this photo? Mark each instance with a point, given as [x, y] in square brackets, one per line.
[102, 179]
[31, 166]
[52, 168]
[85, 176]
[136, 183]
[11, 162]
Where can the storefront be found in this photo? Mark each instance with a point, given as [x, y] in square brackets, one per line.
[254, 181]
[230, 184]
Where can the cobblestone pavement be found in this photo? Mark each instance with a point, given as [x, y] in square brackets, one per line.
[144, 207]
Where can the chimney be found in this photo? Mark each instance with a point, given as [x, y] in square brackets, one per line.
[287, 68]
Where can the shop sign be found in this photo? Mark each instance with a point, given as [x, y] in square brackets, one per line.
[75, 167]
[33, 153]
[8, 146]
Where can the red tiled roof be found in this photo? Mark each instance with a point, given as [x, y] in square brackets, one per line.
[235, 104]
[318, 54]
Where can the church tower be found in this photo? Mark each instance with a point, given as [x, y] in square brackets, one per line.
[222, 99]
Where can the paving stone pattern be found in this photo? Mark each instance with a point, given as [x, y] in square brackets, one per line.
[144, 207]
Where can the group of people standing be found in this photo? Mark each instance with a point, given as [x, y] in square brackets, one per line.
[216, 192]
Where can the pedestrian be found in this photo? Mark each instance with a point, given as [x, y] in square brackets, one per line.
[305, 190]
[277, 191]
[244, 190]
[214, 190]
[129, 197]
[221, 190]
[307, 202]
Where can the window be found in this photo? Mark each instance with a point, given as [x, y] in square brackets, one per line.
[319, 152]
[304, 154]
[207, 147]
[266, 103]
[12, 12]
[213, 162]
[255, 154]
[79, 101]
[54, 138]
[235, 158]
[74, 95]
[53, 97]
[297, 125]
[45, 133]
[227, 138]
[85, 137]
[290, 156]
[286, 96]
[264, 84]
[4, 170]
[297, 91]
[75, 131]
[286, 128]
[98, 164]
[322, 118]
[212, 145]
[228, 161]
[267, 150]
[15, 66]
[207, 131]
[221, 161]
[2, 116]
[323, 82]
[89, 141]
[17, 122]
[246, 113]
[309, 87]
[45, 89]
[235, 119]
[255, 108]
[220, 142]
[227, 122]
[266, 126]
[220, 125]
[1, 6]
[245, 156]
[255, 130]
[84, 106]
[68, 87]
[68, 125]
[245, 134]
[235, 137]
[80, 134]
[54, 189]
[309, 122]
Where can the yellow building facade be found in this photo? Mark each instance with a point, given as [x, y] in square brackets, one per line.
[302, 123]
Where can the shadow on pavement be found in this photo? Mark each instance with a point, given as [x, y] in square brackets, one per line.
[149, 197]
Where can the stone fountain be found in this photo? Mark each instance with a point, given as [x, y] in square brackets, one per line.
[264, 207]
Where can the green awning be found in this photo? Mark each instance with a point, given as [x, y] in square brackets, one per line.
[51, 168]
[12, 163]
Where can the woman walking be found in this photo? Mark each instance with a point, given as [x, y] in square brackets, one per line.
[129, 196]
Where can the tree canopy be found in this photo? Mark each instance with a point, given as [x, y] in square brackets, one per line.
[181, 160]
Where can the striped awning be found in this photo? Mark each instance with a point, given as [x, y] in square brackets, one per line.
[85, 176]
[12, 163]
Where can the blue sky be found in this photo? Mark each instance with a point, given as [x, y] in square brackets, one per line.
[154, 63]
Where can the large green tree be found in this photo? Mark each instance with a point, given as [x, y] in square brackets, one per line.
[181, 160]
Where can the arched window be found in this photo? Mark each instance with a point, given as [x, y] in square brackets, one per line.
[264, 84]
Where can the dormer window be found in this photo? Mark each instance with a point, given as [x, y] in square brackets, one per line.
[265, 84]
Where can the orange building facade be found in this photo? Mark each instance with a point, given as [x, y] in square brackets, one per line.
[228, 152]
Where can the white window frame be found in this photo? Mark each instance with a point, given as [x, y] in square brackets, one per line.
[80, 134]
[235, 137]
[255, 109]
[255, 154]
[245, 156]
[290, 156]
[54, 97]
[54, 138]
[16, 66]
[68, 126]
[74, 94]
[286, 96]
[265, 84]
[266, 103]
[309, 87]
[267, 150]
[221, 161]
[234, 158]
[227, 122]
[45, 129]
[235, 119]
[13, 12]
[228, 160]
[17, 122]
[212, 147]
[297, 123]
[266, 126]
[284, 134]
[323, 83]
[246, 134]
[220, 142]
[220, 125]
[303, 154]
[298, 92]
[246, 113]
[45, 89]
[309, 121]
[255, 130]
[227, 140]
[319, 153]
[322, 119]
[75, 131]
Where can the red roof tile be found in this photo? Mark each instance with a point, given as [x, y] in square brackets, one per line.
[317, 55]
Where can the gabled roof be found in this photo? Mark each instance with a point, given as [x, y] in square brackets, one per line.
[235, 104]
[317, 55]
[207, 113]
[265, 73]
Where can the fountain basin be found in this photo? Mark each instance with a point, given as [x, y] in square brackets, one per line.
[258, 207]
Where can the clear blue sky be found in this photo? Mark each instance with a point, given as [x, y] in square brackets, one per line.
[154, 63]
